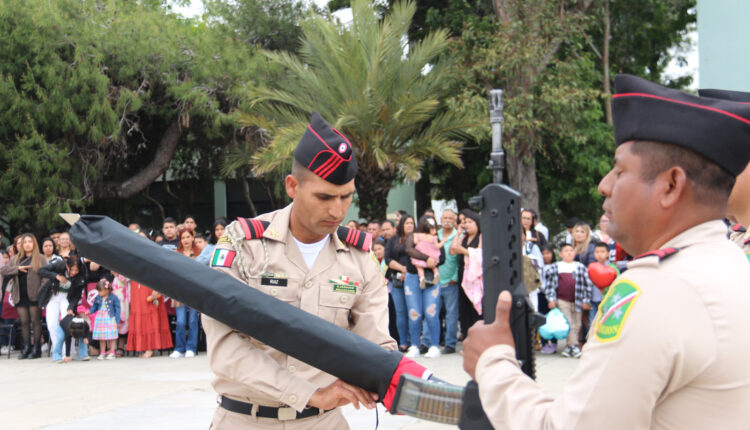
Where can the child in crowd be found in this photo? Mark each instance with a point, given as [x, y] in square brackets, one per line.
[567, 285]
[601, 255]
[426, 241]
[72, 329]
[378, 249]
[121, 289]
[548, 346]
[106, 311]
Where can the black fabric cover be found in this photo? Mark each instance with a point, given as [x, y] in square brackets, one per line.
[303, 336]
[326, 152]
[356, 238]
[717, 129]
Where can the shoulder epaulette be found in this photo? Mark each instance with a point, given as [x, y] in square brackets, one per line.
[356, 238]
[661, 253]
[253, 228]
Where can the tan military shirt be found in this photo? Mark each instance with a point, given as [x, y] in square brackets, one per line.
[250, 371]
[671, 355]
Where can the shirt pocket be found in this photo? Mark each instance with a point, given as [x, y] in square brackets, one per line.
[335, 306]
[288, 293]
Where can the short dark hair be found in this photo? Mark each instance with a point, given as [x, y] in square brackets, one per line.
[299, 171]
[711, 184]
[379, 242]
[169, 219]
[389, 222]
[426, 222]
[565, 245]
[601, 245]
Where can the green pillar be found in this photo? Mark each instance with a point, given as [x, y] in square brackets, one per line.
[220, 199]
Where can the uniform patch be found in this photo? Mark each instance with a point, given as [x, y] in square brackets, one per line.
[224, 240]
[614, 310]
[223, 258]
[344, 285]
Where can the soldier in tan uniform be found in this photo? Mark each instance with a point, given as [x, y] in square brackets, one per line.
[739, 200]
[667, 350]
[299, 255]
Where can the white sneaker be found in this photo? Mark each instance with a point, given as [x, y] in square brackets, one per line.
[4, 350]
[432, 352]
[45, 347]
[412, 352]
[189, 354]
[176, 354]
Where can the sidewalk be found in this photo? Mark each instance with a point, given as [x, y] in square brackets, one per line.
[166, 393]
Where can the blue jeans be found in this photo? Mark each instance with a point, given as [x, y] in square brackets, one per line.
[57, 348]
[399, 302]
[422, 304]
[449, 296]
[192, 334]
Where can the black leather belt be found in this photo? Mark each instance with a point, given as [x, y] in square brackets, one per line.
[282, 414]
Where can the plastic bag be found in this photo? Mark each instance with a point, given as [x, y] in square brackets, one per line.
[556, 327]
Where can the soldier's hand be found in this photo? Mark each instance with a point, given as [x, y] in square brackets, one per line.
[483, 336]
[339, 394]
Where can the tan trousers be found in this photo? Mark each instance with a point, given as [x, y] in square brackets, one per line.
[226, 420]
[574, 319]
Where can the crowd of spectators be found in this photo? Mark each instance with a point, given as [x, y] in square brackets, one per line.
[53, 297]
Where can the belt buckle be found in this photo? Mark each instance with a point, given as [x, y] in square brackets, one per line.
[286, 414]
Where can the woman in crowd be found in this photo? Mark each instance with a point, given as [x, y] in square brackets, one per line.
[528, 220]
[582, 243]
[66, 247]
[23, 271]
[397, 259]
[186, 347]
[469, 237]
[148, 327]
[422, 299]
[58, 304]
[216, 232]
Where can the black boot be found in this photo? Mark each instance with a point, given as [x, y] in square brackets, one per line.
[26, 353]
[37, 352]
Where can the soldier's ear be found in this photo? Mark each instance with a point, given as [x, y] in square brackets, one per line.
[291, 184]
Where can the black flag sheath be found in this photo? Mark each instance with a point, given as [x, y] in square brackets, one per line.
[292, 331]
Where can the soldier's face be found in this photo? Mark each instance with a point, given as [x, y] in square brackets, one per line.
[319, 206]
[630, 202]
[739, 200]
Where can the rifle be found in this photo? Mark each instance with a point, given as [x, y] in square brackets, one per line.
[502, 270]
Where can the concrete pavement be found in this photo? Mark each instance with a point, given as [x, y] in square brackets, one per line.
[164, 393]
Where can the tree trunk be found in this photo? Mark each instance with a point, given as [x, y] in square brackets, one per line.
[423, 194]
[141, 180]
[373, 186]
[605, 61]
[246, 193]
[522, 173]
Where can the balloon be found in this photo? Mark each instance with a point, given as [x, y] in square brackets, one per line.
[602, 276]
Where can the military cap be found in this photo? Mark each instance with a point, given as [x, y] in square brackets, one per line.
[326, 152]
[717, 129]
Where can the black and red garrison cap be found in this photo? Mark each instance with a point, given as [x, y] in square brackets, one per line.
[324, 151]
[717, 129]
[735, 96]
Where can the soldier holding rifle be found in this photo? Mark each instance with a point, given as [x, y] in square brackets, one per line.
[666, 350]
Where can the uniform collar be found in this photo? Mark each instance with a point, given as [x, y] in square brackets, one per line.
[278, 229]
[710, 231]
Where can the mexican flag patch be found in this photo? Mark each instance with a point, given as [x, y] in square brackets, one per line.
[614, 310]
[223, 258]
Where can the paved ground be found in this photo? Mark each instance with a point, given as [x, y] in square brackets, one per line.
[132, 393]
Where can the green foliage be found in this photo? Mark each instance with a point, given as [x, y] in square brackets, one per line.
[361, 79]
[269, 24]
[89, 90]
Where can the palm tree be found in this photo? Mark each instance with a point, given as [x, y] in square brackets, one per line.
[367, 81]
